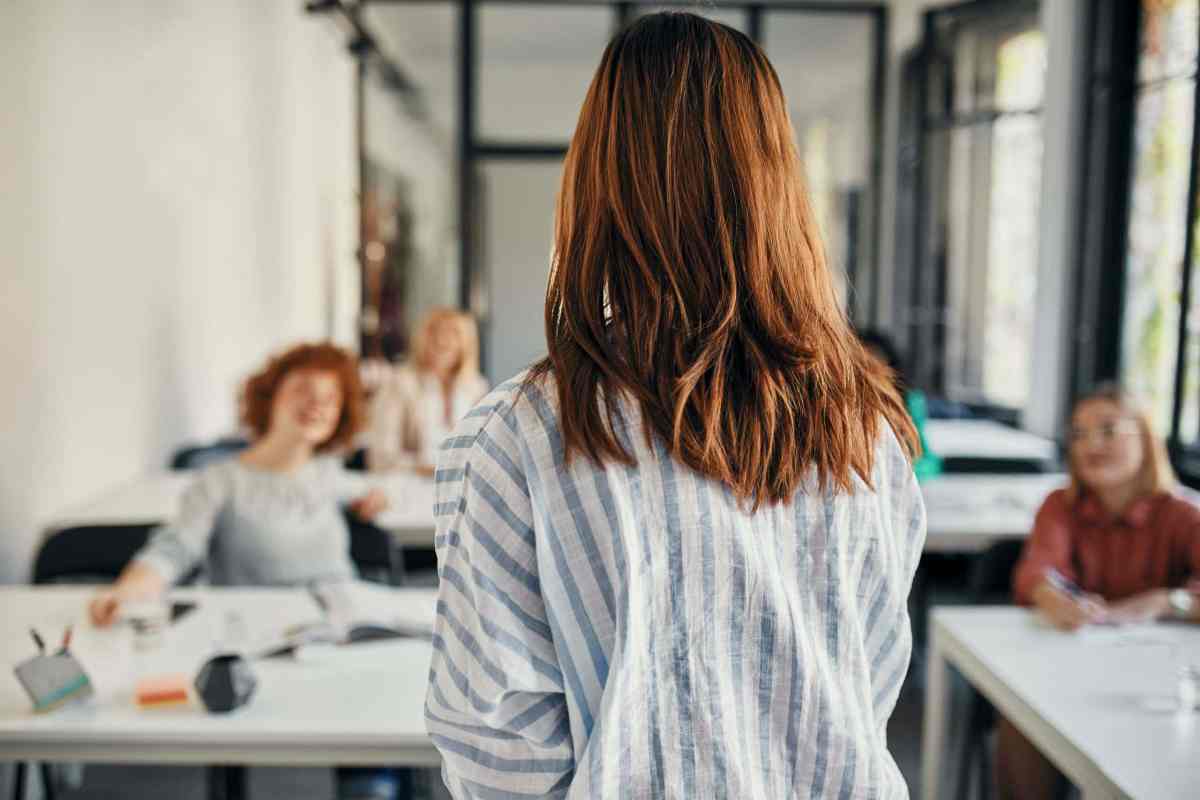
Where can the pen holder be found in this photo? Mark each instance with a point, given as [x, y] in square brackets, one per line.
[52, 681]
[225, 682]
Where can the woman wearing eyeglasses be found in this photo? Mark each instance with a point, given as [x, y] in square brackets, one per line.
[1117, 545]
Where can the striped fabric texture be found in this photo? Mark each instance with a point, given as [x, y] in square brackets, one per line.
[607, 631]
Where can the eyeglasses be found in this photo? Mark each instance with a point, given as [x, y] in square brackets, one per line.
[1103, 434]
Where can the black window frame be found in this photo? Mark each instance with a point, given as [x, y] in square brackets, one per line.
[472, 148]
[1115, 33]
[922, 271]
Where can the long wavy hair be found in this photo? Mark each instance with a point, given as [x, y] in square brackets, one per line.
[688, 272]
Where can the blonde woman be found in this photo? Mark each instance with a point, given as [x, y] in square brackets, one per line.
[420, 401]
[1118, 545]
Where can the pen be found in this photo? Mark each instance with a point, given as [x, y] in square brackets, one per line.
[66, 642]
[315, 591]
[41, 645]
[1058, 581]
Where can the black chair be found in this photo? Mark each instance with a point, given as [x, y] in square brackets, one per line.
[196, 456]
[89, 553]
[357, 461]
[85, 554]
[990, 583]
[373, 553]
[973, 465]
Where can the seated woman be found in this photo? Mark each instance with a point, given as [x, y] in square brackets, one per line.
[1117, 545]
[880, 345]
[273, 515]
[418, 404]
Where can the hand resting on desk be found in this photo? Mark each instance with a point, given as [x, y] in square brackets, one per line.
[139, 581]
[1069, 612]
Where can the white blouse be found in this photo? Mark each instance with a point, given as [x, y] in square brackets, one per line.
[408, 416]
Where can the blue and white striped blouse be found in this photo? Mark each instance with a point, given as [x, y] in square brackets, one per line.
[630, 632]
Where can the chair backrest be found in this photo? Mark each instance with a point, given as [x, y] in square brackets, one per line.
[371, 551]
[357, 460]
[972, 465]
[991, 575]
[88, 554]
[194, 457]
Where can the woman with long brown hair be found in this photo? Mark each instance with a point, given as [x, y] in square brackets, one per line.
[675, 556]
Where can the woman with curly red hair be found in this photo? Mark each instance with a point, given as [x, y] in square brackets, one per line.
[271, 516]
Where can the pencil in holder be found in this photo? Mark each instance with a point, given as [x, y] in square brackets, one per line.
[53, 680]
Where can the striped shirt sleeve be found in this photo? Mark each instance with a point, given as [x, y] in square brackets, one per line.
[495, 709]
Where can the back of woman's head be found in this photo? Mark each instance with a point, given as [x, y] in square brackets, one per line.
[688, 271]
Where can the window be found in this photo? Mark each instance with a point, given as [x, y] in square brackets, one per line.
[1162, 209]
[833, 123]
[976, 189]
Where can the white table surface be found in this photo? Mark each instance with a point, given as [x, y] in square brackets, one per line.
[362, 705]
[981, 438]
[967, 513]
[1091, 701]
[154, 498]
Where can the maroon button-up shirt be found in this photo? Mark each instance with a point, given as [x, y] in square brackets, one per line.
[1154, 544]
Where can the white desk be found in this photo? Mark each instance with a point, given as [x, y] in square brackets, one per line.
[154, 498]
[1085, 700]
[985, 439]
[968, 513]
[363, 707]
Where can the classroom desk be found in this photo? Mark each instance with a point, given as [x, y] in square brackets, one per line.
[361, 706]
[154, 498]
[1090, 701]
[969, 513]
[966, 513]
[986, 439]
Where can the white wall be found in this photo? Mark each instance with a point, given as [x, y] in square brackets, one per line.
[520, 198]
[179, 191]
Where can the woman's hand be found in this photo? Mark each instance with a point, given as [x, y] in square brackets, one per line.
[1144, 607]
[370, 505]
[1068, 612]
[139, 581]
[104, 607]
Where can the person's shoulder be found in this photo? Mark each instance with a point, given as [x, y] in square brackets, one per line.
[475, 384]
[403, 377]
[503, 414]
[328, 464]
[890, 456]
[1057, 508]
[216, 479]
[1183, 505]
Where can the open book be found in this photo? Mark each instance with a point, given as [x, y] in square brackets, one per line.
[356, 611]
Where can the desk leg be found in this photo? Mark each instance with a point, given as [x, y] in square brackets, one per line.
[48, 788]
[19, 781]
[226, 783]
[937, 700]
